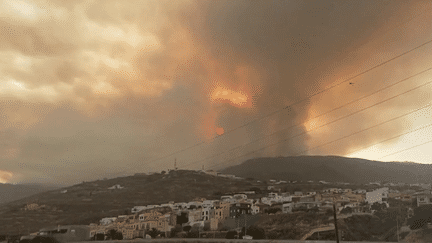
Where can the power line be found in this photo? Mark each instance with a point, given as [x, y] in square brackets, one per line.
[338, 119]
[298, 124]
[430, 141]
[379, 124]
[300, 101]
[388, 139]
[307, 98]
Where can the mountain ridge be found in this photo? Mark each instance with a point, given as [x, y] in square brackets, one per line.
[332, 169]
[12, 192]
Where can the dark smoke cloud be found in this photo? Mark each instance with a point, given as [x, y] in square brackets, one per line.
[108, 88]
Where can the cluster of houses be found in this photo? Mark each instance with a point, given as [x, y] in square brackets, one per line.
[214, 213]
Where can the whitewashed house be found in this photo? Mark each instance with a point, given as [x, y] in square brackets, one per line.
[379, 195]
[255, 209]
[137, 209]
[240, 197]
[107, 221]
[226, 198]
[115, 187]
[287, 207]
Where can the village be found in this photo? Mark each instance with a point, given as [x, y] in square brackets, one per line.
[231, 212]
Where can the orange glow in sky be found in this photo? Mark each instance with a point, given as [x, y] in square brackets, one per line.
[238, 99]
[5, 176]
[219, 131]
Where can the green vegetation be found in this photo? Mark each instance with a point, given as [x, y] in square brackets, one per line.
[114, 235]
[422, 216]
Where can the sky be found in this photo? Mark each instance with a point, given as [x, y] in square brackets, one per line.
[95, 89]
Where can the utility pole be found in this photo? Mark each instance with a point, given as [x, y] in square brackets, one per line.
[335, 221]
[245, 225]
[397, 224]
[397, 228]
[175, 163]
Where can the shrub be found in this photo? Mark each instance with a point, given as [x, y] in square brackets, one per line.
[231, 234]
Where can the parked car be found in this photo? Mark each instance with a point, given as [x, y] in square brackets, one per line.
[247, 237]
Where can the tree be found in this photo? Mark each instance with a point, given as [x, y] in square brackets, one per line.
[177, 229]
[231, 234]
[257, 190]
[256, 232]
[272, 210]
[99, 237]
[118, 236]
[43, 239]
[182, 219]
[378, 206]
[422, 216]
[114, 235]
[153, 233]
[346, 210]
[187, 228]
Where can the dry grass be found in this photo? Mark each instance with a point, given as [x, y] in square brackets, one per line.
[69, 208]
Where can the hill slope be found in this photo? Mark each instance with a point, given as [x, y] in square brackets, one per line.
[332, 168]
[11, 192]
[91, 201]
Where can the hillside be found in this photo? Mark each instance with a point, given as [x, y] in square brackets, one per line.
[11, 192]
[332, 169]
[88, 202]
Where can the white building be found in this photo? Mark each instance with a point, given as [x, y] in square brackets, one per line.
[181, 205]
[107, 221]
[255, 209]
[378, 195]
[194, 204]
[205, 212]
[347, 190]
[115, 187]
[266, 200]
[287, 207]
[136, 209]
[211, 172]
[239, 197]
[360, 191]
[207, 204]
